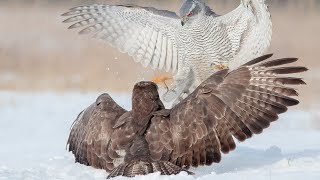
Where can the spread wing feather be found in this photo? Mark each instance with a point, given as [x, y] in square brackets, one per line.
[228, 104]
[91, 132]
[249, 28]
[147, 34]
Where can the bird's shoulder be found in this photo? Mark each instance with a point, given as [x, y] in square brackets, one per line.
[126, 117]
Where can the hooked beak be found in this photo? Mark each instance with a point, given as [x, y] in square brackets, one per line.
[183, 20]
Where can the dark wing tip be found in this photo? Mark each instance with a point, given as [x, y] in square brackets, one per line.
[303, 82]
[68, 20]
[258, 59]
[278, 62]
[67, 13]
[287, 70]
[292, 102]
[64, 14]
[73, 26]
[300, 69]
[292, 81]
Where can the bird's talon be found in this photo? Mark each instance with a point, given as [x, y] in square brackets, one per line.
[162, 80]
[220, 66]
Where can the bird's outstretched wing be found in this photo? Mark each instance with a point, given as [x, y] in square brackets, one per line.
[228, 104]
[91, 132]
[147, 34]
[249, 29]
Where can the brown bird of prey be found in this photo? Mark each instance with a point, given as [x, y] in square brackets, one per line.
[150, 138]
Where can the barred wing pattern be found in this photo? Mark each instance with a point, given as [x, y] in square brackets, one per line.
[147, 34]
[249, 28]
[90, 136]
[228, 104]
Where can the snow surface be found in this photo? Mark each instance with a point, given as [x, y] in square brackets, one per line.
[34, 128]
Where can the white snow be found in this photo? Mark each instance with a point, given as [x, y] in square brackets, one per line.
[34, 128]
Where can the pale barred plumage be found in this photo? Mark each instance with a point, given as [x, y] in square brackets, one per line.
[228, 105]
[156, 38]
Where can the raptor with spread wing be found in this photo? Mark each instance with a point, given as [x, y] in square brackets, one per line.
[193, 45]
[230, 103]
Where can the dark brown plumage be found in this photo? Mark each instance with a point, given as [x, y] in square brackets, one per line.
[150, 138]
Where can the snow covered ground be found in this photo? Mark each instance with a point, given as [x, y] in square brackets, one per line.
[34, 128]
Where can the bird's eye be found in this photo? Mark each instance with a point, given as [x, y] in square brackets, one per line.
[190, 14]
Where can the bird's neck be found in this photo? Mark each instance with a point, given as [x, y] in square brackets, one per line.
[142, 109]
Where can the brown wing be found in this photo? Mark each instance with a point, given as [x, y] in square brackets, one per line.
[91, 132]
[236, 104]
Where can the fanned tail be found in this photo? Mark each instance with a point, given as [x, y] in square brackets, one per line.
[142, 168]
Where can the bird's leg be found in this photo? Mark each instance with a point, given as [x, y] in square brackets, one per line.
[181, 85]
[162, 80]
[182, 82]
[221, 64]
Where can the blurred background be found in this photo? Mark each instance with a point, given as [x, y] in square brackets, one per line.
[38, 53]
[48, 74]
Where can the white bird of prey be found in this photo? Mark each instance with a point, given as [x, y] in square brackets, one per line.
[192, 46]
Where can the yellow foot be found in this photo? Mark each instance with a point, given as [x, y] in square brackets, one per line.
[220, 67]
[161, 79]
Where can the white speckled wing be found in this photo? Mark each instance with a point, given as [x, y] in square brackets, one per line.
[249, 28]
[147, 34]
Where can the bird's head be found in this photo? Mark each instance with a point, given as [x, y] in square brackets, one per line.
[146, 90]
[103, 101]
[145, 98]
[190, 9]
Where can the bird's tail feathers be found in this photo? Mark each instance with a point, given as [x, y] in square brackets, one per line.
[135, 168]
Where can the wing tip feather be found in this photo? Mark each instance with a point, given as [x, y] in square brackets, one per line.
[258, 60]
[65, 14]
